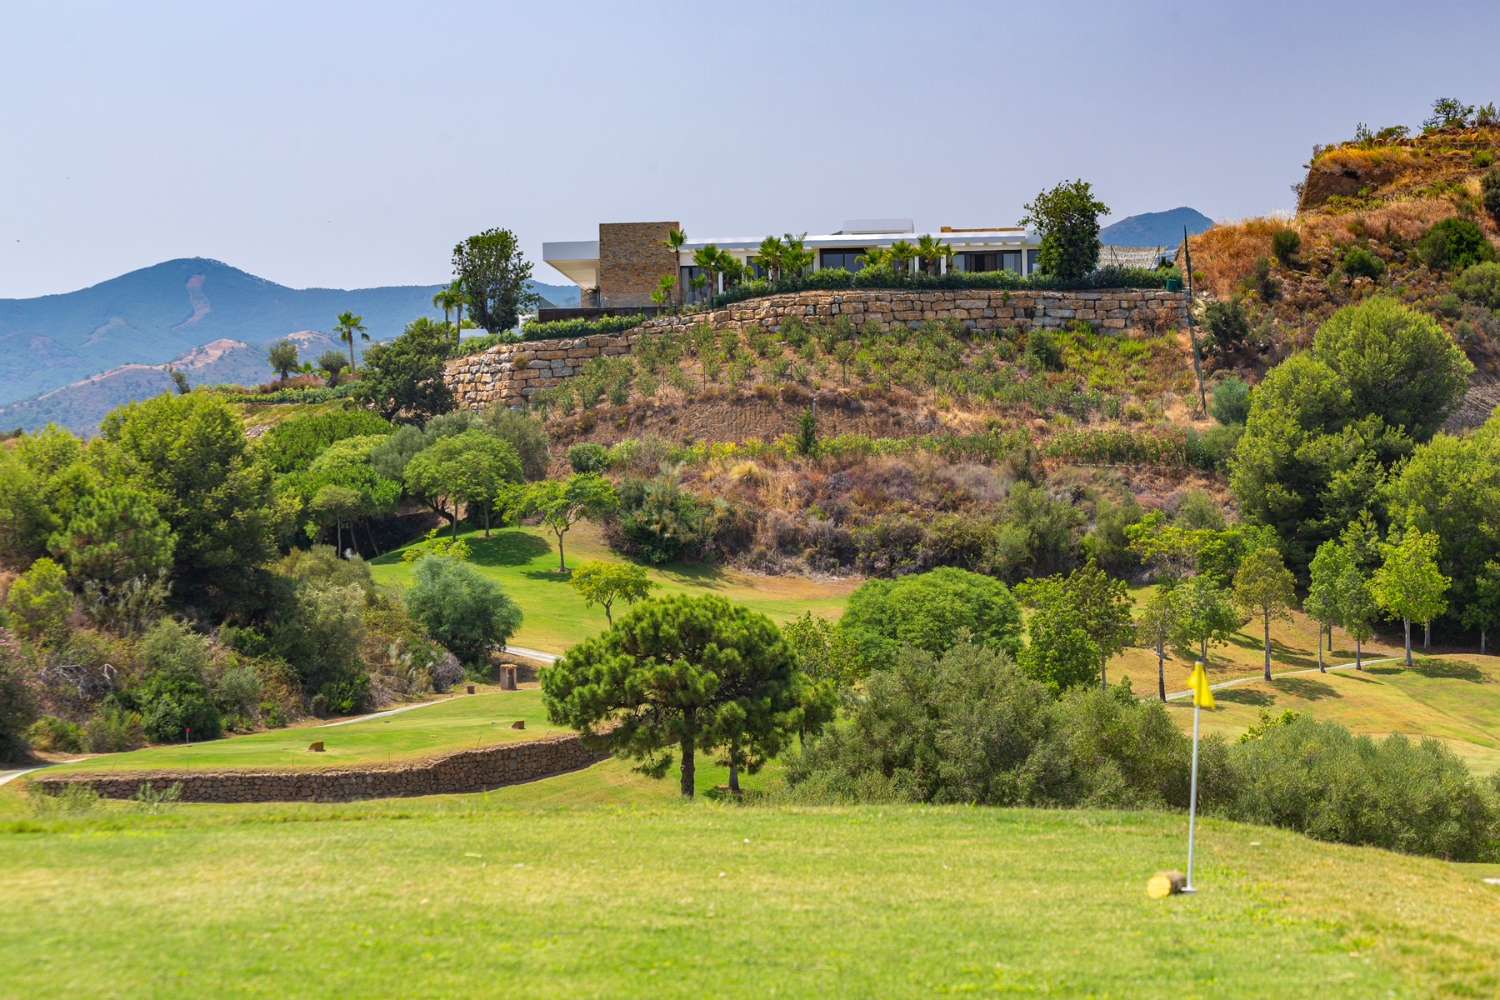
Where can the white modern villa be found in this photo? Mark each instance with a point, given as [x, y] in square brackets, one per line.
[625, 264]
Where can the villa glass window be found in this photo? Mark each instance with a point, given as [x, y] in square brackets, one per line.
[848, 258]
[687, 280]
[1033, 258]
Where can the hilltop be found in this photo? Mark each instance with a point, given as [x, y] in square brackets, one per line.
[1365, 208]
[160, 315]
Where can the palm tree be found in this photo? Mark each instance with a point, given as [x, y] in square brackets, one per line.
[900, 255]
[795, 258]
[770, 256]
[347, 325]
[452, 299]
[710, 260]
[874, 257]
[932, 251]
[676, 238]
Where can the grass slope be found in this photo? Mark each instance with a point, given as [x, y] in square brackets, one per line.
[635, 894]
[460, 723]
[524, 562]
[1455, 700]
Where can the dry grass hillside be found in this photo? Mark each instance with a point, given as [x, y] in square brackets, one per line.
[1364, 209]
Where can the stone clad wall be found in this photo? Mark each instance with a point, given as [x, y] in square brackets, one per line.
[465, 771]
[633, 258]
[510, 373]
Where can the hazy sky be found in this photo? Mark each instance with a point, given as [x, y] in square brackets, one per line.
[350, 144]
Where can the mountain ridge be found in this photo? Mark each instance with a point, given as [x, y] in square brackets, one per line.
[1155, 229]
[155, 314]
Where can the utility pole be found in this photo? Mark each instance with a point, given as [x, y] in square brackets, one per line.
[1187, 286]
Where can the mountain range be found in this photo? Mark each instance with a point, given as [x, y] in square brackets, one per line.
[1155, 229]
[71, 357]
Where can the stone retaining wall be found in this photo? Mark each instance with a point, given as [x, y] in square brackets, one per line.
[509, 373]
[465, 771]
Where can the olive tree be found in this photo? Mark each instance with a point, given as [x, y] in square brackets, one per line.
[467, 613]
[562, 503]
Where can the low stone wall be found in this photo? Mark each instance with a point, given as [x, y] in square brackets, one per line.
[465, 771]
[510, 373]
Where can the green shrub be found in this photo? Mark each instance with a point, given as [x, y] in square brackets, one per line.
[1261, 281]
[1228, 327]
[55, 735]
[581, 327]
[659, 522]
[114, 730]
[17, 707]
[968, 726]
[1231, 401]
[293, 444]
[1212, 449]
[588, 457]
[1454, 244]
[39, 602]
[1285, 245]
[174, 698]
[1489, 192]
[1480, 283]
[838, 278]
[1361, 262]
[1043, 352]
[1319, 779]
[461, 609]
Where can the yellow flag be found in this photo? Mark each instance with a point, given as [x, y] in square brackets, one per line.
[1203, 693]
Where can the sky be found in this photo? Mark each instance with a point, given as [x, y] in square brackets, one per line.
[352, 144]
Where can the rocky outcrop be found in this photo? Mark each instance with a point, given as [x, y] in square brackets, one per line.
[465, 771]
[511, 373]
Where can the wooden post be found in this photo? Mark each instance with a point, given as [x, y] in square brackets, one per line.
[1164, 884]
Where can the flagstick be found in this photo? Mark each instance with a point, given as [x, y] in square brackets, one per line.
[1193, 797]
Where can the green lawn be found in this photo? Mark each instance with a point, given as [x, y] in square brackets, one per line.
[599, 884]
[524, 562]
[461, 722]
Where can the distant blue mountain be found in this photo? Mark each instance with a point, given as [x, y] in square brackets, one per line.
[1155, 229]
[165, 311]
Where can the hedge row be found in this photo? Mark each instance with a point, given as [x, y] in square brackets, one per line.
[883, 278]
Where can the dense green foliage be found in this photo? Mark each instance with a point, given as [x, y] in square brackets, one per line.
[969, 726]
[403, 379]
[1318, 779]
[461, 609]
[838, 278]
[189, 455]
[930, 611]
[1066, 218]
[1454, 244]
[492, 273]
[293, 444]
[561, 329]
[1324, 425]
[1480, 284]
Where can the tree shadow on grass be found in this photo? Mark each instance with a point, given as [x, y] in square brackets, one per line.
[1306, 688]
[1455, 670]
[1244, 696]
[506, 548]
